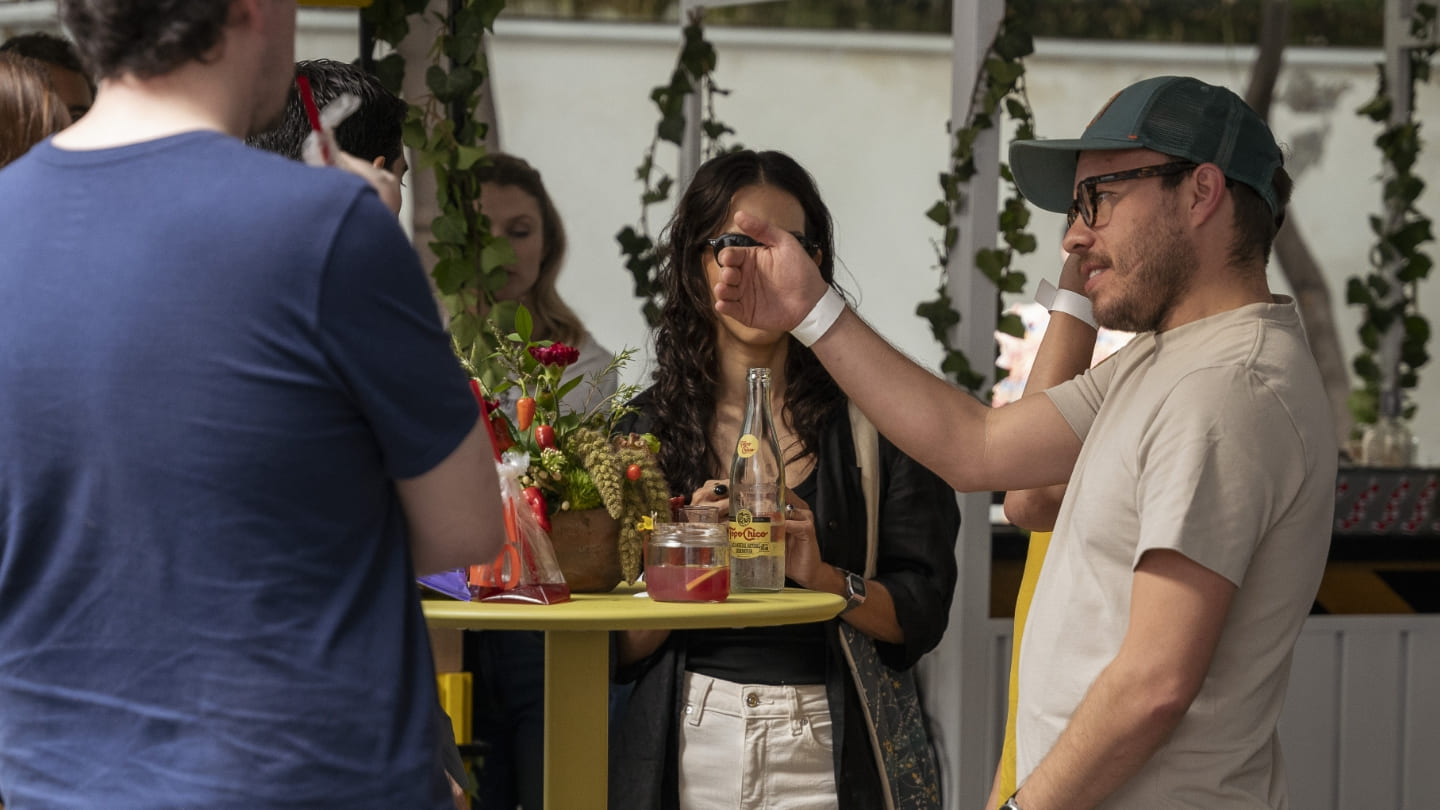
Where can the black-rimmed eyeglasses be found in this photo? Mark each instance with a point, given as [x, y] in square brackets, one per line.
[740, 240]
[1086, 205]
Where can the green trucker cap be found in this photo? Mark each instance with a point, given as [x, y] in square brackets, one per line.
[1174, 115]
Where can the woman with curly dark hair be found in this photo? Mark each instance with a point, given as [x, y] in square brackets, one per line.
[782, 702]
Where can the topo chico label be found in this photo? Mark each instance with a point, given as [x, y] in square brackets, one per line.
[752, 536]
[747, 446]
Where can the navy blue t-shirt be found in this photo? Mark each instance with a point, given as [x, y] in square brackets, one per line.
[214, 362]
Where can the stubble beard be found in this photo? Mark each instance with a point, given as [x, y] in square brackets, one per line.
[1157, 268]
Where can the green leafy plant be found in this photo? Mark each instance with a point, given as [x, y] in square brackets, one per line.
[575, 464]
[694, 72]
[1001, 82]
[1389, 294]
[445, 137]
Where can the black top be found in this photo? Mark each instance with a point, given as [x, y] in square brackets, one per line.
[919, 521]
[787, 655]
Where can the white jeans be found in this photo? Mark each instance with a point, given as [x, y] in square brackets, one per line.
[755, 747]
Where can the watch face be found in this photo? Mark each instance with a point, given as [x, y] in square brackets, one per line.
[856, 585]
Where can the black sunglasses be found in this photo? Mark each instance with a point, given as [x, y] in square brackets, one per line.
[740, 240]
[1085, 206]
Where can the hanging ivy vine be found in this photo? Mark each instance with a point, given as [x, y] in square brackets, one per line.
[445, 137]
[694, 72]
[1001, 82]
[1389, 294]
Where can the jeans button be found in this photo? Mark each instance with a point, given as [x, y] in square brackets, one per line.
[752, 700]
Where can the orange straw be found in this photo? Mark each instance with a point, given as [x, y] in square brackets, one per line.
[690, 586]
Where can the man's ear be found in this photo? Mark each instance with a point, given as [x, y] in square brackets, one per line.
[378, 162]
[1208, 182]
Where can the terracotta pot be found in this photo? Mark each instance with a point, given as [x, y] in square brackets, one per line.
[587, 547]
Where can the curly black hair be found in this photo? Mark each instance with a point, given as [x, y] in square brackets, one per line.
[685, 340]
[149, 38]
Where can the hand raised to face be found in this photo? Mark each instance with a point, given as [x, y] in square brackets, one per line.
[773, 286]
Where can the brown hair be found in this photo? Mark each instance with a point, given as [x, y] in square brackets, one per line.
[29, 108]
[1255, 225]
[554, 320]
[148, 38]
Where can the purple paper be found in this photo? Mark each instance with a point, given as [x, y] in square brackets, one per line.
[454, 584]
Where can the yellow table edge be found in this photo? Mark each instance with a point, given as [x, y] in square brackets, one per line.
[622, 609]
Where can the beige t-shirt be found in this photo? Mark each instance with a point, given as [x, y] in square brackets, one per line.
[1215, 440]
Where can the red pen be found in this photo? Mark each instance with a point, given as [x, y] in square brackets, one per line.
[313, 113]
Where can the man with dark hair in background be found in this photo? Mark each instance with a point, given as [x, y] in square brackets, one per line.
[232, 433]
[372, 133]
[69, 78]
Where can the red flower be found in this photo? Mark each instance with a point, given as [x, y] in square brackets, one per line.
[556, 354]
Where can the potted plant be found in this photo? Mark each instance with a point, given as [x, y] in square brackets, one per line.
[592, 491]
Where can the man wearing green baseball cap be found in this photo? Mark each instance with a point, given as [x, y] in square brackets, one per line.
[1200, 459]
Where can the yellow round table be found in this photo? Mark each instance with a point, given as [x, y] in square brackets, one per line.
[577, 662]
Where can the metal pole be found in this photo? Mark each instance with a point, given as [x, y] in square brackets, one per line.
[959, 683]
[1400, 84]
[690, 142]
[367, 45]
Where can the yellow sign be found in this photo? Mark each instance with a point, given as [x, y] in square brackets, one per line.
[746, 447]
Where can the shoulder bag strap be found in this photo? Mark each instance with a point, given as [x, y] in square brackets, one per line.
[867, 458]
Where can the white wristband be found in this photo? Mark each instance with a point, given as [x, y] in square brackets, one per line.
[1070, 303]
[822, 316]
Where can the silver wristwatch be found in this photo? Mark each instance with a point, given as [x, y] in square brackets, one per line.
[1010, 803]
[854, 589]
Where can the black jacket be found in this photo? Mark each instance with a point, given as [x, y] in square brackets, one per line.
[919, 521]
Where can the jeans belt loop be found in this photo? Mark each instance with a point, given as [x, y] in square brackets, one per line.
[697, 707]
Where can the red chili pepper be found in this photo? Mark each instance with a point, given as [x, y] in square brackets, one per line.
[633, 472]
[524, 412]
[545, 437]
[536, 499]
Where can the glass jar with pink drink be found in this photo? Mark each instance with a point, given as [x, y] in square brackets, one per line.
[688, 559]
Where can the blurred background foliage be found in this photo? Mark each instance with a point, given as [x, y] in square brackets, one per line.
[1348, 23]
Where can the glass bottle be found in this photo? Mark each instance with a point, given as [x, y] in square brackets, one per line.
[757, 496]
[1388, 442]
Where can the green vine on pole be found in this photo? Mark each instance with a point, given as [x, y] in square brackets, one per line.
[1001, 81]
[445, 137]
[1389, 294]
[694, 69]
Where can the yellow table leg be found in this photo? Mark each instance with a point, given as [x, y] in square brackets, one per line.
[577, 741]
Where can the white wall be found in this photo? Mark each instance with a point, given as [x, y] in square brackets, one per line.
[866, 113]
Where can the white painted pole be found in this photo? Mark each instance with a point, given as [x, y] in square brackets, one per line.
[690, 158]
[959, 692]
[1398, 43]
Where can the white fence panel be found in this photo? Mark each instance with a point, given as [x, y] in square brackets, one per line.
[1361, 724]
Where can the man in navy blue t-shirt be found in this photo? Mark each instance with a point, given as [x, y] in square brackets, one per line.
[231, 434]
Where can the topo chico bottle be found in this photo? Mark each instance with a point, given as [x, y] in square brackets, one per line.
[757, 496]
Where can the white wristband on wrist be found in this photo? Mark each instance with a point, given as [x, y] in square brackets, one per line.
[1070, 303]
[822, 316]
